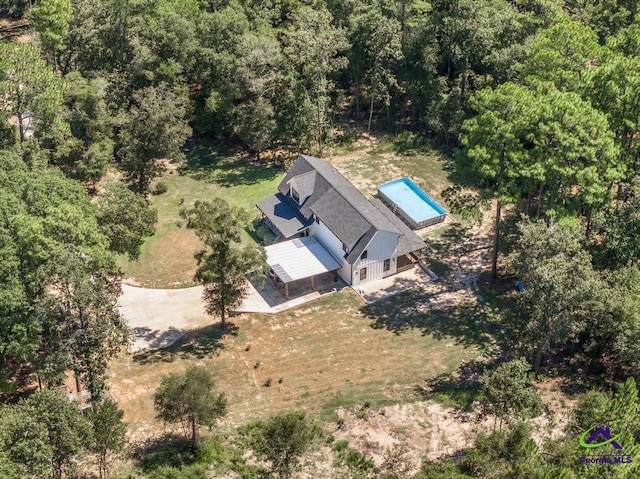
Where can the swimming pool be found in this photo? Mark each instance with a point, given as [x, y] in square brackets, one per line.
[412, 204]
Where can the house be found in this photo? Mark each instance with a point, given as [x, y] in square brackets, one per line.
[364, 237]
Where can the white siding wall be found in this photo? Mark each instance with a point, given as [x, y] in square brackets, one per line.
[334, 246]
[382, 246]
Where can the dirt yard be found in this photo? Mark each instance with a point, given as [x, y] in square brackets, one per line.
[319, 357]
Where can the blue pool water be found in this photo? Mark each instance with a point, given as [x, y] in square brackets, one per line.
[411, 199]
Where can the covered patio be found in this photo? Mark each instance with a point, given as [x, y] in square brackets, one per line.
[299, 259]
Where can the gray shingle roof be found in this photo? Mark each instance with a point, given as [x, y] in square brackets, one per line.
[351, 194]
[340, 217]
[327, 178]
[409, 241]
[357, 250]
[342, 207]
[304, 183]
[284, 215]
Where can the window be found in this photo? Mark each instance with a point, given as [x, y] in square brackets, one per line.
[387, 265]
[363, 274]
[295, 195]
[364, 254]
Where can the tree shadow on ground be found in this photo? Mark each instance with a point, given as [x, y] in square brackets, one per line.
[409, 143]
[460, 389]
[169, 450]
[471, 316]
[225, 167]
[194, 344]
[433, 314]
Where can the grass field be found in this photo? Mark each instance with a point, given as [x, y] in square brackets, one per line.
[379, 160]
[333, 352]
[166, 259]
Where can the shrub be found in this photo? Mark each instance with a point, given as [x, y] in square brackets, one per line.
[267, 383]
[341, 445]
[358, 461]
[161, 187]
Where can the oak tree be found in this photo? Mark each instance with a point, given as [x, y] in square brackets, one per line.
[189, 399]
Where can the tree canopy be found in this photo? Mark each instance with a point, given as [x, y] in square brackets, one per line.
[189, 399]
[223, 265]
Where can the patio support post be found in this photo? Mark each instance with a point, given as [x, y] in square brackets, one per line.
[286, 290]
[312, 285]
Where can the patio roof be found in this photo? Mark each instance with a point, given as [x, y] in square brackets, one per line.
[300, 258]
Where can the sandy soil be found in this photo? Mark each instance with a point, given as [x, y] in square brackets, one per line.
[429, 430]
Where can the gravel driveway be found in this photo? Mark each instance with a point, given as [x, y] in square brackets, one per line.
[158, 317]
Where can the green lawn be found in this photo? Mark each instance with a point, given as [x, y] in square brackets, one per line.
[166, 259]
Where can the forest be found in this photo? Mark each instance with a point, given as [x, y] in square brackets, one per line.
[535, 104]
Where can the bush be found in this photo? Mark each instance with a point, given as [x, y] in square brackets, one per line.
[267, 383]
[211, 451]
[161, 187]
[358, 461]
[197, 471]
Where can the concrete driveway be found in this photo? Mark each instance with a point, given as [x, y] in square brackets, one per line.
[158, 317]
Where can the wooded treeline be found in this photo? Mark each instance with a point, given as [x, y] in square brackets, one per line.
[296, 75]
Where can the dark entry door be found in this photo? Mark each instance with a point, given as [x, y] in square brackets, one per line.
[403, 262]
